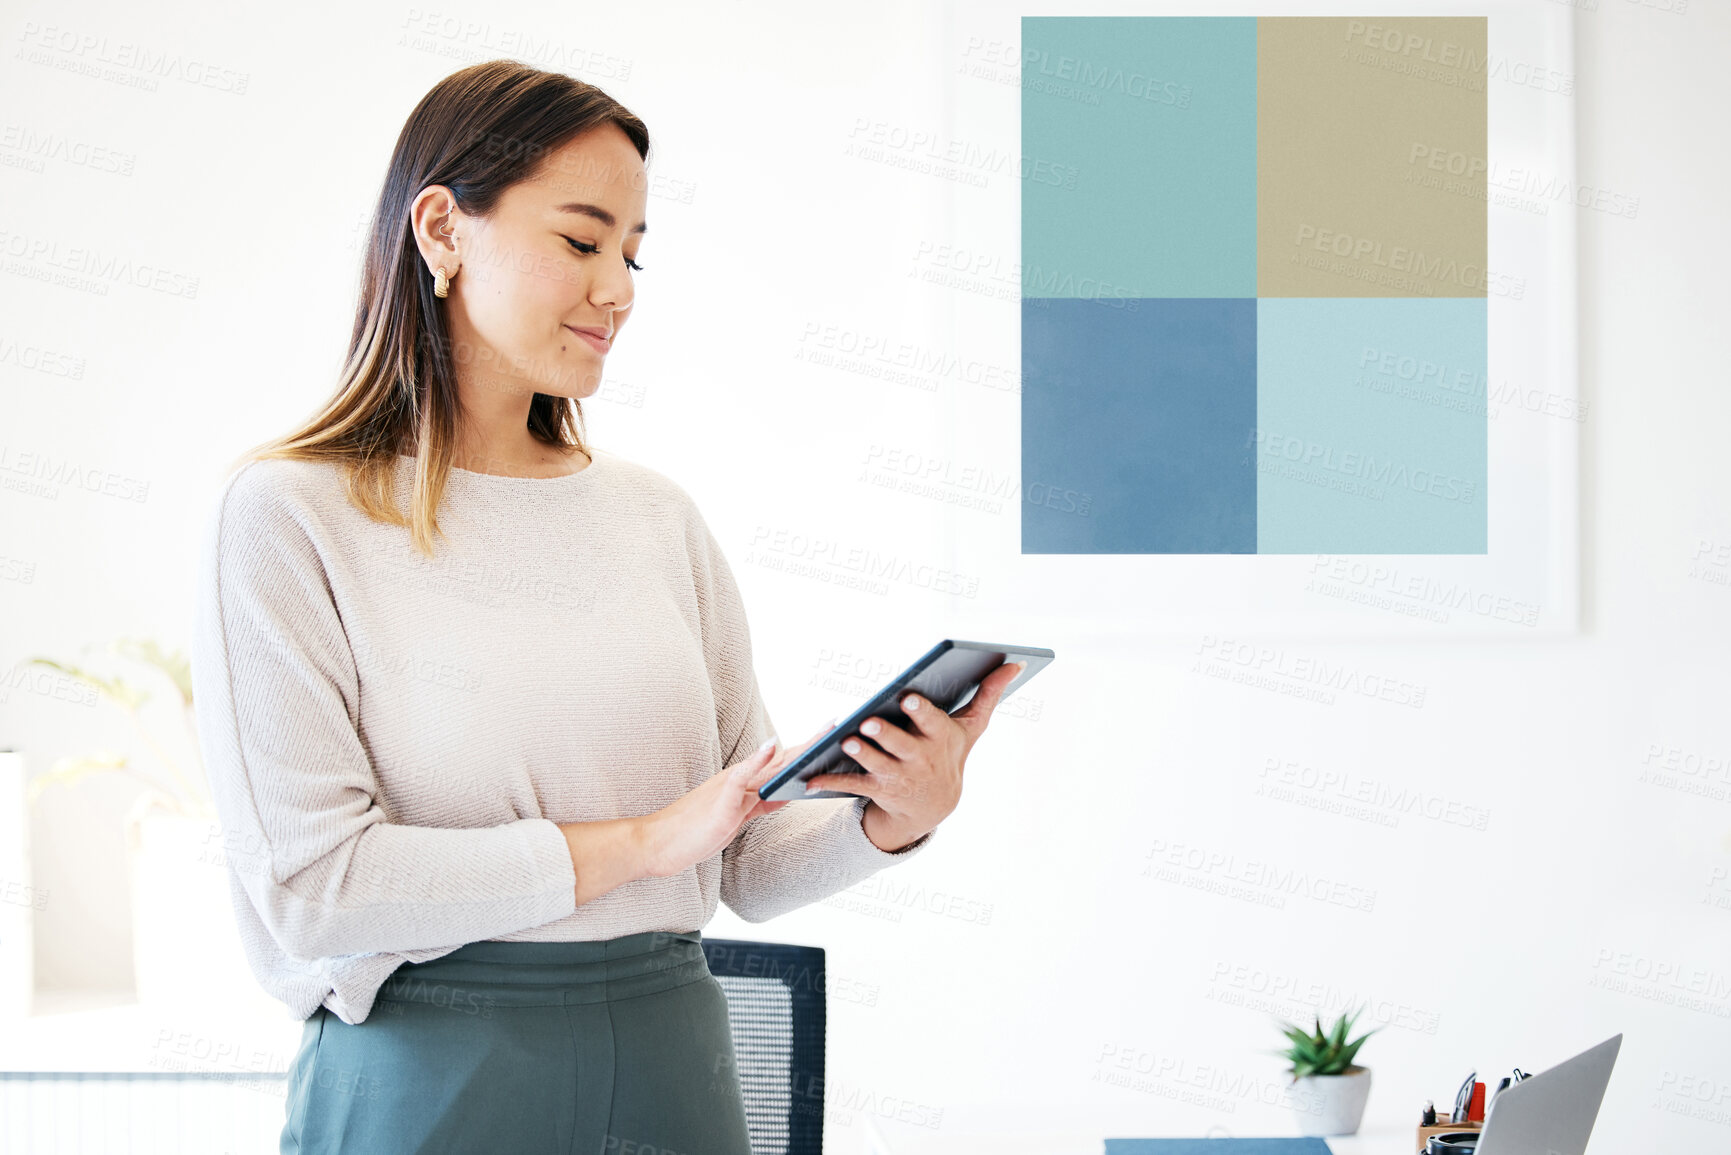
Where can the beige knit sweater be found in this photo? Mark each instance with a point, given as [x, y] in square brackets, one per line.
[391, 739]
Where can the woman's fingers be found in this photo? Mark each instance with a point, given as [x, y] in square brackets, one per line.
[752, 763]
[979, 709]
[767, 771]
[892, 738]
[768, 761]
[788, 754]
[866, 785]
[870, 757]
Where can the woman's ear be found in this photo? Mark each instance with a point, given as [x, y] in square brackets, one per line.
[436, 223]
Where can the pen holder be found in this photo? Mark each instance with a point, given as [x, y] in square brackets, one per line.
[1441, 1128]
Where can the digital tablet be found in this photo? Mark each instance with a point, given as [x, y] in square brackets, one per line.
[947, 675]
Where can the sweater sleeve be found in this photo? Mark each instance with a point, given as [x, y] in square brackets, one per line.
[808, 849]
[277, 693]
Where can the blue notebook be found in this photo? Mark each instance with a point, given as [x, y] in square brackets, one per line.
[1305, 1146]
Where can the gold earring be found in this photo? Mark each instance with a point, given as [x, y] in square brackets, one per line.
[442, 283]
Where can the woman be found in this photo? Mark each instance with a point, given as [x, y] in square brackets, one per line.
[480, 790]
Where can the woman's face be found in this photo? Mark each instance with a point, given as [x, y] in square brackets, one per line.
[555, 258]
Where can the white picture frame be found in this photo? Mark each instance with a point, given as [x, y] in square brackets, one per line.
[1527, 584]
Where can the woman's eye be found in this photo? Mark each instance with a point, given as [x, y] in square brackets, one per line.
[591, 250]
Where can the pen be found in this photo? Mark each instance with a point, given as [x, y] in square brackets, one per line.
[1463, 1099]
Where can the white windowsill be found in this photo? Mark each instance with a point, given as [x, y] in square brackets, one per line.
[110, 1031]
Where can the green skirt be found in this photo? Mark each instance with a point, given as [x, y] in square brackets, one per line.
[614, 1047]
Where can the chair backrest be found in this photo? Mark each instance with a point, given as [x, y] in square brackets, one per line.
[775, 1005]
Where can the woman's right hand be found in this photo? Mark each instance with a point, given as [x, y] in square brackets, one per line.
[702, 821]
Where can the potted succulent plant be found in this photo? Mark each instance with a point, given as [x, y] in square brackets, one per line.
[185, 943]
[1334, 1089]
[186, 795]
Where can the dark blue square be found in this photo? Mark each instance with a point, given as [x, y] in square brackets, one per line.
[1138, 416]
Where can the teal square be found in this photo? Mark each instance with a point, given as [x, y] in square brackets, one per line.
[1370, 425]
[1139, 145]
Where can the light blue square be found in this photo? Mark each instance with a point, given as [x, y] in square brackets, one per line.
[1370, 425]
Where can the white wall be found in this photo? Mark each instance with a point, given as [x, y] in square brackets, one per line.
[1024, 953]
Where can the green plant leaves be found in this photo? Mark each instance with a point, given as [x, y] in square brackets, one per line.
[1319, 1052]
[70, 770]
[114, 688]
[176, 666]
[190, 794]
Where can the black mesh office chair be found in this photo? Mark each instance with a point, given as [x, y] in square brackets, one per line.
[775, 1005]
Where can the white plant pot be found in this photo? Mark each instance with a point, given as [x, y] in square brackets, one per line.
[186, 945]
[1332, 1104]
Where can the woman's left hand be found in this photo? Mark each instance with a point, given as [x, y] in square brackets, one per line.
[914, 778]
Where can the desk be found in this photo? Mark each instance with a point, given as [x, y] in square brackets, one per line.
[113, 1033]
[955, 1141]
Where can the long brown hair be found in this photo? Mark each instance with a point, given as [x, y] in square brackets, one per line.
[478, 131]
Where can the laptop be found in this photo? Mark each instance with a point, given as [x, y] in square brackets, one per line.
[1553, 1112]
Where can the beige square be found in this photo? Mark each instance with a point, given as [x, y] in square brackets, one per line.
[1371, 157]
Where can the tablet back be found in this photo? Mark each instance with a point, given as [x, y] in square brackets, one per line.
[948, 674]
